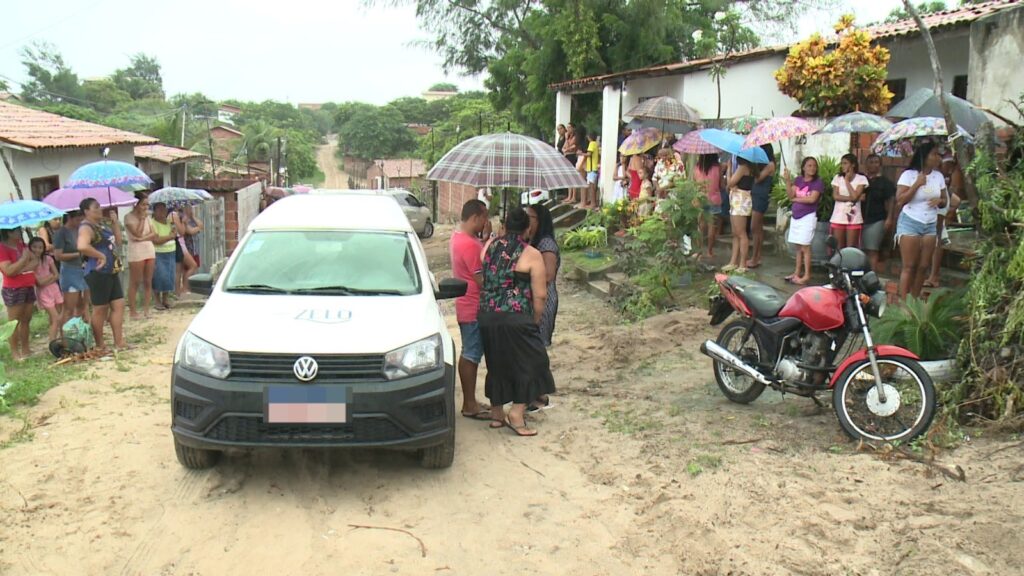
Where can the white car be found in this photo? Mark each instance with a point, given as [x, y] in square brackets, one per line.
[416, 211]
[322, 330]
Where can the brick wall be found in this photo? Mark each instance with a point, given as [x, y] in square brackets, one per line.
[226, 189]
[450, 198]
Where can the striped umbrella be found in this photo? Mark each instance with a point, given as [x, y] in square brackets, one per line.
[506, 159]
[666, 109]
[742, 124]
[779, 128]
[912, 128]
[692, 143]
[640, 141]
[856, 122]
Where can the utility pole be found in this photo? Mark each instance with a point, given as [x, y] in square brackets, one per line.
[209, 137]
[433, 183]
[10, 170]
[184, 107]
[277, 173]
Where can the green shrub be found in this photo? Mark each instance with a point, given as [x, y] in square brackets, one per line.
[930, 328]
[828, 167]
[585, 238]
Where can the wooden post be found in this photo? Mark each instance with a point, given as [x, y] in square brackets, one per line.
[10, 170]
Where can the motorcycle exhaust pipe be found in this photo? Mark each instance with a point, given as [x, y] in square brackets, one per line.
[712, 349]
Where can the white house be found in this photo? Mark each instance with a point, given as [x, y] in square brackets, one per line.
[166, 165]
[40, 150]
[979, 46]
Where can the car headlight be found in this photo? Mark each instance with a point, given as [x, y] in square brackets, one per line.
[200, 356]
[418, 357]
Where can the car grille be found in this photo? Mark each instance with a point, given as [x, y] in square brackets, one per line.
[186, 410]
[280, 367]
[253, 429]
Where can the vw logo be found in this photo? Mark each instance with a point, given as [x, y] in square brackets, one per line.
[305, 368]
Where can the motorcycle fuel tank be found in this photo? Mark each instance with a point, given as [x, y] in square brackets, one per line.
[820, 308]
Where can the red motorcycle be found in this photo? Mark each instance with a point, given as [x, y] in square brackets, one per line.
[879, 392]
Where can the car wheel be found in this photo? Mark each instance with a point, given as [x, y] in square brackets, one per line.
[440, 456]
[428, 230]
[195, 458]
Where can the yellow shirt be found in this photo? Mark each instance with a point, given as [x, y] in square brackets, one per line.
[593, 157]
[163, 230]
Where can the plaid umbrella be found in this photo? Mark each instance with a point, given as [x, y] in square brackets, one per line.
[506, 159]
[742, 124]
[912, 128]
[666, 109]
[640, 141]
[692, 143]
[856, 122]
[780, 128]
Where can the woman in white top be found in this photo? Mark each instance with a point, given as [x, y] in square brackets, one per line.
[847, 189]
[921, 193]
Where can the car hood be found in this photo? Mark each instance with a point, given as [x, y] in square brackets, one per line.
[291, 324]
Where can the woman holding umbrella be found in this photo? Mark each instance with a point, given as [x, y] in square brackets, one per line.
[165, 243]
[921, 191]
[18, 265]
[741, 206]
[98, 239]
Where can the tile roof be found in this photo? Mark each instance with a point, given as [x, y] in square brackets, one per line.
[165, 154]
[401, 167]
[32, 128]
[945, 19]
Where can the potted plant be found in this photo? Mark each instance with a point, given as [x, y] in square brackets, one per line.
[930, 328]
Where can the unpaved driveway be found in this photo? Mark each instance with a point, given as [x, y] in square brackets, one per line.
[334, 178]
[641, 468]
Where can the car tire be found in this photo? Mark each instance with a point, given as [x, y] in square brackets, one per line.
[195, 458]
[440, 456]
[428, 230]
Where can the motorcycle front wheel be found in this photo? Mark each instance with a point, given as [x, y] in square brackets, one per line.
[907, 409]
[736, 385]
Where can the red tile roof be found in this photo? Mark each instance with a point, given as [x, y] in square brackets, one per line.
[165, 154]
[963, 15]
[35, 129]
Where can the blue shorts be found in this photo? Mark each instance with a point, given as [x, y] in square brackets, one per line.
[713, 209]
[907, 226]
[592, 177]
[163, 272]
[761, 196]
[472, 344]
[72, 279]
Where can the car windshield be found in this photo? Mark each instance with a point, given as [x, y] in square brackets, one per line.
[328, 262]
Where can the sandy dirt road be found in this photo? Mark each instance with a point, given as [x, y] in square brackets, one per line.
[334, 178]
[641, 468]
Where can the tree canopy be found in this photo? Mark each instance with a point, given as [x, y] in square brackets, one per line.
[444, 87]
[371, 132]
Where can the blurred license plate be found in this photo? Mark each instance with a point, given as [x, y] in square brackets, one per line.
[306, 404]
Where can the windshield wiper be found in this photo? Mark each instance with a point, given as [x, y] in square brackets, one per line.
[348, 291]
[256, 288]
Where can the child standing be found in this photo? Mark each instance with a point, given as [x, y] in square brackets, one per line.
[804, 193]
[48, 296]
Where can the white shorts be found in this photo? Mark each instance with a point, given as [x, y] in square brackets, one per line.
[801, 231]
[592, 177]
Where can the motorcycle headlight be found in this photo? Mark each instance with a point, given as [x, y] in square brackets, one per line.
[416, 358]
[876, 306]
[200, 356]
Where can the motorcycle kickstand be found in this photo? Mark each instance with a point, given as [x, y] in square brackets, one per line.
[817, 402]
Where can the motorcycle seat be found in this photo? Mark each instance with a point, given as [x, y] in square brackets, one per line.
[763, 300]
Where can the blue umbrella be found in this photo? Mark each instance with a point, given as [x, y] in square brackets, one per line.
[107, 173]
[733, 144]
[21, 213]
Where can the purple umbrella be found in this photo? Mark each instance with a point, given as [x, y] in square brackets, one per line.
[68, 199]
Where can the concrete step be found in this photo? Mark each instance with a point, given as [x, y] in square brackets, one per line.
[600, 288]
[617, 282]
[570, 218]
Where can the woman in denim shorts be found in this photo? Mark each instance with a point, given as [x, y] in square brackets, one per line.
[921, 192]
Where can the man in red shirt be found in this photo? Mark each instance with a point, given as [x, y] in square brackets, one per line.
[465, 249]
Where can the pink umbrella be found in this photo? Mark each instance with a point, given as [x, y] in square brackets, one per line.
[301, 189]
[69, 198]
[692, 143]
[780, 128]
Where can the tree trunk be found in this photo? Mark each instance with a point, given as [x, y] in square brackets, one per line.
[10, 170]
[951, 127]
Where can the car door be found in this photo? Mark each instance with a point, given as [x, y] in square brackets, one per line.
[411, 206]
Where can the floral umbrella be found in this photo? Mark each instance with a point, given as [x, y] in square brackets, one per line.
[692, 143]
[106, 173]
[742, 124]
[640, 141]
[70, 198]
[20, 213]
[779, 128]
[914, 128]
[856, 122]
[177, 197]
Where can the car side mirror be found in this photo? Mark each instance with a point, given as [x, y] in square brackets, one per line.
[831, 242]
[201, 284]
[451, 288]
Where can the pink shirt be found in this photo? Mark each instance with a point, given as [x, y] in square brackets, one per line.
[714, 183]
[466, 264]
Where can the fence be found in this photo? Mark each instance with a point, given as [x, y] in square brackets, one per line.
[248, 202]
[210, 243]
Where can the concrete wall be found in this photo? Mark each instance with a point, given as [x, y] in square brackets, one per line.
[997, 43]
[909, 60]
[60, 163]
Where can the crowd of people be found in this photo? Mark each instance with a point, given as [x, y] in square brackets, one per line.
[507, 316]
[71, 268]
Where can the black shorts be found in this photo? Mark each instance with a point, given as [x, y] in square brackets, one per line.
[104, 288]
[179, 254]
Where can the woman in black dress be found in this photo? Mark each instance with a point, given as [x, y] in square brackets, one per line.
[512, 301]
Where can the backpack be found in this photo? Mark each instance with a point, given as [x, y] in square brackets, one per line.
[78, 338]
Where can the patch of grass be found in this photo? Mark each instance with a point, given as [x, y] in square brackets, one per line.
[23, 435]
[703, 462]
[31, 378]
[836, 449]
[577, 259]
[630, 421]
[694, 469]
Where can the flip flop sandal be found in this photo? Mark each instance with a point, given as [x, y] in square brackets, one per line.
[518, 430]
[481, 415]
[533, 408]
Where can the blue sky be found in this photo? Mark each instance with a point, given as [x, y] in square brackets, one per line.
[312, 51]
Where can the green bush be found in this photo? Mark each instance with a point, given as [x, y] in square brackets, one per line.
[929, 328]
[828, 167]
[585, 238]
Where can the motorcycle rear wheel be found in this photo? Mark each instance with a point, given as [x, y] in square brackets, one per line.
[736, 386]
[909, 406]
